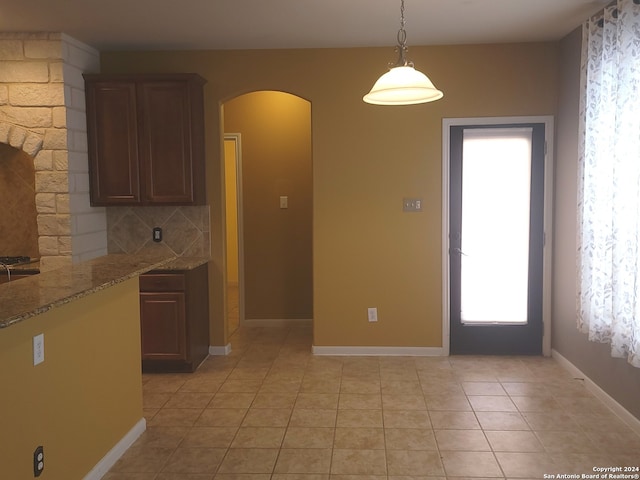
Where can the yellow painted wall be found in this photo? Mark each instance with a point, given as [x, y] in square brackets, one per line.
[366, 252]
[85, 396]
[231, 210]
[276, 161]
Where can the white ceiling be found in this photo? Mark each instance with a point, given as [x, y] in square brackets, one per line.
[249, 24]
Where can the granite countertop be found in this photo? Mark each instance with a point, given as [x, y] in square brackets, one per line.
[39, 293]
[182, 263]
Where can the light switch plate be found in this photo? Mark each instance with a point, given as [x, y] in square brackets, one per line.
[284, 201]
[411, 204]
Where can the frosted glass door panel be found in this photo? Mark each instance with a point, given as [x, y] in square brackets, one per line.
[496, 179]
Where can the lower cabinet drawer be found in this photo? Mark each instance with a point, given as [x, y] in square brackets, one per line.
[162, 282]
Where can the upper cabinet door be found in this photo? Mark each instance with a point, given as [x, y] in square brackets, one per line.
[112, 129]
[166, 142]
[146, 139]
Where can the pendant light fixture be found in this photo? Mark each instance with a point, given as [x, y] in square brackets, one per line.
[402, 84]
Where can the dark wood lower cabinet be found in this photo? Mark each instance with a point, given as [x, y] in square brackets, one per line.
[164, 328]
[174, 319]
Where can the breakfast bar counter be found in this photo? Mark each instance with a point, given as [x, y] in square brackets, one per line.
[39, 293]
[78, 395]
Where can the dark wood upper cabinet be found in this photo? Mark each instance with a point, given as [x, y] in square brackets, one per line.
[146, 139]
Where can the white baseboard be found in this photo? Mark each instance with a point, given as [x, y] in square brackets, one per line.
[276, 322]
[216, 350]
[109, 460]
[604, 397]
[380, 351]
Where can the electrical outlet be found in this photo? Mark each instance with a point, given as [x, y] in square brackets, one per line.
[38, 349]
[157, 234]
[372, 313]
[38, 461]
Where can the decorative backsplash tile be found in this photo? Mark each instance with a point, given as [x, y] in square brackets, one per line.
[18, 224]
[185, 230]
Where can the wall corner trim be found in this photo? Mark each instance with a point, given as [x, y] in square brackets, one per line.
[220, 350]
[380, 351]
[109, 460]
[621, 412]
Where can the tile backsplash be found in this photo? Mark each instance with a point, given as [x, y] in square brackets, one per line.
[18, 225]
[185, 230]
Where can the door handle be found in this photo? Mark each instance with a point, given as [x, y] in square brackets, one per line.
[459, 252]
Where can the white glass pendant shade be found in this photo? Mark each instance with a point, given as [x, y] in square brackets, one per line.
[403, 85]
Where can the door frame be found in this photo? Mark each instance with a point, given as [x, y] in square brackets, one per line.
[547, 257]
[237, 139]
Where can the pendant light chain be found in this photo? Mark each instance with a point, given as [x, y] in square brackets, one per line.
[401, 48]
[402, 34]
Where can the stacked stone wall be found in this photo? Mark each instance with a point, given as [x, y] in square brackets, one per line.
[42, 112]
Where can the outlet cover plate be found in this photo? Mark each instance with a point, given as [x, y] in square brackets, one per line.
[38, 461]
[38, 349]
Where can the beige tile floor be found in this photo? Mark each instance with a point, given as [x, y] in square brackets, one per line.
[272, 410]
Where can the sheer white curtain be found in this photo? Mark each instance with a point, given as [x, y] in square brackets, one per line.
[609, 181]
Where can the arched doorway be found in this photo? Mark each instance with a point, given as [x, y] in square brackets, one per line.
[271, 136]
